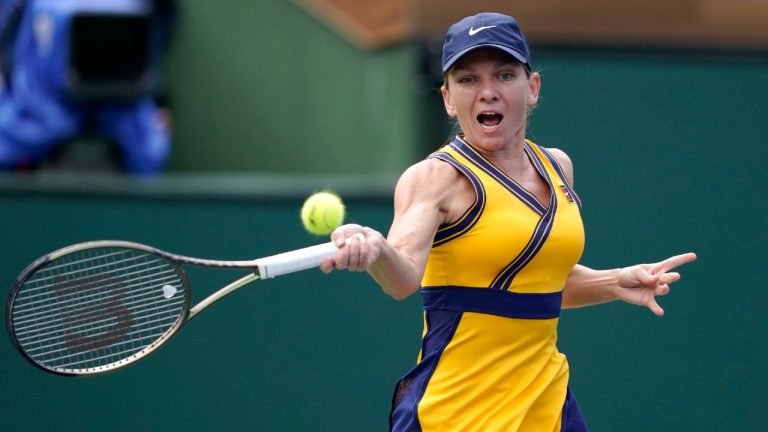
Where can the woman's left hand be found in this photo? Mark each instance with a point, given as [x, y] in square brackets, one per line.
[640, 284]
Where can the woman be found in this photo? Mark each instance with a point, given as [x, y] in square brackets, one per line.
[488, 228]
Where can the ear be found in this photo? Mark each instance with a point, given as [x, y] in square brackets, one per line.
[534, 87]
[449, 108]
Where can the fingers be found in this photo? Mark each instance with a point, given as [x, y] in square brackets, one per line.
[672, 262]
[340, 235]
[655, 308]
[357, 248]
[668, 278]
[637, 276]
[661, 288]
[641, 284]
[355, 252]
[660, 283]
[327, 265]
[648, 279]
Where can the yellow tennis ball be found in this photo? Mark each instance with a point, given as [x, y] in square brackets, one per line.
[322, 212]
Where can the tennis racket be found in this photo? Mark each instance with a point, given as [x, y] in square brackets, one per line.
[98, 306]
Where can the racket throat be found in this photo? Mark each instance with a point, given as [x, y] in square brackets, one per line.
[218, 295]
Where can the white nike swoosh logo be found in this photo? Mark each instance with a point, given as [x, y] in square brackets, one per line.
[473, 31]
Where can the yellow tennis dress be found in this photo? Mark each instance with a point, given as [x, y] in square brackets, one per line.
[492, 293]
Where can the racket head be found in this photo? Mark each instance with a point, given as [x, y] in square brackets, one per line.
[94, 307]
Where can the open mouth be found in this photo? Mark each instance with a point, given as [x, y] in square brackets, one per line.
[489, 118]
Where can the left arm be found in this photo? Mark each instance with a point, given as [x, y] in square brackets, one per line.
[585, 286]
[638, 284]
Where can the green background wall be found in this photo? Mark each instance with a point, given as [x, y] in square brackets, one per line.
[669, 151]
[302, 352]
[262, 85]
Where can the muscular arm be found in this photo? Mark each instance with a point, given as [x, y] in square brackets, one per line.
[419, 210]
[585, 287]
[423, 199]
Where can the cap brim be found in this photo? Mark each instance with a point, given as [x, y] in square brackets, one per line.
[516, 55]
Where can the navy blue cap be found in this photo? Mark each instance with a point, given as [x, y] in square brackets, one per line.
[485, 30]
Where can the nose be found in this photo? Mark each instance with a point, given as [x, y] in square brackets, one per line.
[488, 91]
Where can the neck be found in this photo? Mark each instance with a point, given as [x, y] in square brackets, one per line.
[511, 156]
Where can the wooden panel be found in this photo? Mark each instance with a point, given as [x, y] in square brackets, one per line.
[367, 24]
[716, 23]
[671, 23]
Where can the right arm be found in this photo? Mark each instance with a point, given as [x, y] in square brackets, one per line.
[425, 197]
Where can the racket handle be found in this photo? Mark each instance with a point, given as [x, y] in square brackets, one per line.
[293, 261]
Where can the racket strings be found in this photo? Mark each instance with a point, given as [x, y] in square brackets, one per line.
[139, 338]
[63, 283]
[55, 269]
[96, 297]
[93, 293]
[103, 315]
[96, 307]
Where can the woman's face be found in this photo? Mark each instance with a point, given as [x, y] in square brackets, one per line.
[490, 94]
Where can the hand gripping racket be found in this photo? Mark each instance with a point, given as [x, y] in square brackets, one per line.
[94, 307]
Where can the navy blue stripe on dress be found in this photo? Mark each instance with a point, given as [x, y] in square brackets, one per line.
[469, 219]
[494, 302]
[540, 234]
[480, 162]
[404, 415]
[559, 170]
[572, 419]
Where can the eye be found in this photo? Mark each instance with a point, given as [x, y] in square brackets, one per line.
[466, 79]
[506, 76]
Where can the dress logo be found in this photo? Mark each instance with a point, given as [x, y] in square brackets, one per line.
[566, 193]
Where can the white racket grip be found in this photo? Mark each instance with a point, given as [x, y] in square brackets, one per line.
[293, 261]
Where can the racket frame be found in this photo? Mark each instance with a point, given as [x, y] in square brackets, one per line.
[52, 256]
[269, 267]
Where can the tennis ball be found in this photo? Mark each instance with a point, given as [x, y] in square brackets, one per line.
[322, 212]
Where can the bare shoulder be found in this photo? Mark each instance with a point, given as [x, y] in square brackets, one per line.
[565, 162]
[433, 184]
[429, 178]
[432, 170]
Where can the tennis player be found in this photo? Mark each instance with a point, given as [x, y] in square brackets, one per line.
[489, 229]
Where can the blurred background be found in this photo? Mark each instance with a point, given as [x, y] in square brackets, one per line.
[199, 127]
